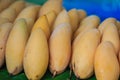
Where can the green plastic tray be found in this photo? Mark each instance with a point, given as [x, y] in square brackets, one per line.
[4, 75]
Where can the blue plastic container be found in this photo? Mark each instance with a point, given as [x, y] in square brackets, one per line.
[102, 8]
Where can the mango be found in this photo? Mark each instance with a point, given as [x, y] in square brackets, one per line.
[51, 16]
[74, 19]
[51, 5]
[82, 14]
[18, 6]
[87, 23]
[9, 14]
[60, 48]
[111, 34]
[4, 4]
[83, 51]
[15, 47]
[4, 33]
[30, 15]
[105, 63]
[62, 17]
[103, 25]
[42, 23]
[36, 55]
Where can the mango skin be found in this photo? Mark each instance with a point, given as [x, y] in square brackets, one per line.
[18, 6]
[30, 15]
[36, 55]
[51, 5]
[5, 4]
[111, 34]
[4, 33]
[15, 47]
[103, 25]
[83, 51]
[62, 17]
[87, 23]
[9, 14]
[105, 63]
[82, 14]
[42, 22]
[60, 48]
[74, 19]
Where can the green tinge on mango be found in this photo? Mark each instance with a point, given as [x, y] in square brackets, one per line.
[15, 47]
[30, 15]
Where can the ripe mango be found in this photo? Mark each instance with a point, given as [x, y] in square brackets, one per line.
[111, 34]
[4, 4]
[36, 55]
[15, 47]
[87, 23]
[74, 19]
[105, 23]
[4, 33]
[83, 51]
[51, 16]
[30, 15]
[105, 63]
[42, 23]
[60, 48]
[82, 14]
[9, 14]
[3, 20]
[51, 5]
[18, 6]
[62, 17]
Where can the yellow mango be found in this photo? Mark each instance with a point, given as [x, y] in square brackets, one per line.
[9, 14]
[51, 5]
[4, 4]
[118, 25]
[62, 17]
[30, 15]
[36, 55]
[15, 47]
[3, 20]
[60, 48]
[105, 23]
[82, 14]
[18, 6]
[51, 16]
[4, 33]
[87, 23]
[83, 51]
[111, 34]
[74, 19]
[105, 63]
[42, 23]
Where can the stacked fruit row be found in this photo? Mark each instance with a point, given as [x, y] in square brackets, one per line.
[34, 37]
